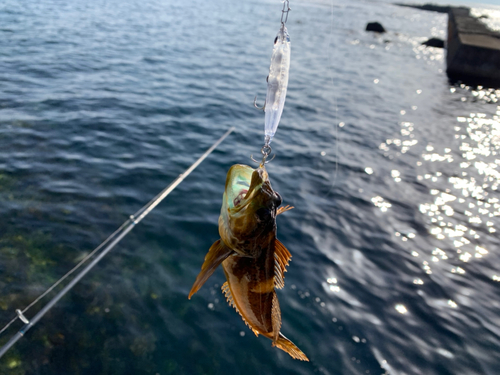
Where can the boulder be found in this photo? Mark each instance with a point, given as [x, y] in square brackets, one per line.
[375, 26]
[434, 42]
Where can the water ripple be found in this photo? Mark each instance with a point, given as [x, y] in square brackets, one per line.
[393, 174]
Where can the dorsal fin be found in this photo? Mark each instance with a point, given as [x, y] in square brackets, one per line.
[281, 258]
[229, 298]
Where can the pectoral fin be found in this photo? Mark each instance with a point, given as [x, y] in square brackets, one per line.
[281, 258]
[215, 256]
[284, 209]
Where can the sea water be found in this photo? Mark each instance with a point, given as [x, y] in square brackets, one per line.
[393, 172]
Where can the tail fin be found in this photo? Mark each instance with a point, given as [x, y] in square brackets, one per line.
[286, 345]
[216, 255]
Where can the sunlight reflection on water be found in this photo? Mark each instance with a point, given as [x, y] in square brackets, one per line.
[463, 210]
[491, 17]
[385, 269]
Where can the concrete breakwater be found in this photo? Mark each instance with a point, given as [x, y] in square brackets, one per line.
[473, 50]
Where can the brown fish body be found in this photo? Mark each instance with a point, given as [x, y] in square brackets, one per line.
[250, 289]
[253, 259]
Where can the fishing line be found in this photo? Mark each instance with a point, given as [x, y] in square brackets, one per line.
[337, 124]
[109, 244]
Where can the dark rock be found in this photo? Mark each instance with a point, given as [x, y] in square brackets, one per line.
[375, 26]
[434, 42]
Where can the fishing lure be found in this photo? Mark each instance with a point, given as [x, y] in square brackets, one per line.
[277, 80]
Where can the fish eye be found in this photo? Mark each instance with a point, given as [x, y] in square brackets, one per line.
[278, 199]
[267, 79]
[263, 213]
[276, 40]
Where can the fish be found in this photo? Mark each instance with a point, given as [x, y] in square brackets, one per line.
[253, 259]
[277, 82]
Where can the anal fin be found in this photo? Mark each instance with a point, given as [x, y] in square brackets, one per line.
[276, 318]
[229, 298]
[216, 255]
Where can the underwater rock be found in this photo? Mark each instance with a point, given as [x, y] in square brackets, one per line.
[56, 338]
[375, 26]
[434, 42]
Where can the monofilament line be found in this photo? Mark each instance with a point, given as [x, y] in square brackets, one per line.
[108, 244]
[336, 108]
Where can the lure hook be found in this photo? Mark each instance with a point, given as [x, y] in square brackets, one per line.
[265, 150]
[263, 161]
[263, 108]
[270, 160]
[251, 157]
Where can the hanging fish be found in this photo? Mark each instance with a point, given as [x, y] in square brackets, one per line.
[253, 259]
[277, 83]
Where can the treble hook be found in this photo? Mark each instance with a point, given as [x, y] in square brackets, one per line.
[265, 150]
[263, 108]
[264, 161]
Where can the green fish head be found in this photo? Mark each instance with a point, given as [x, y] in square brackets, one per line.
[248, 211]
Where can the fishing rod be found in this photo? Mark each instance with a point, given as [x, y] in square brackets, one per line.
[111, 242]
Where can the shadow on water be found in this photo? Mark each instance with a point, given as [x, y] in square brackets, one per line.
[474, 82]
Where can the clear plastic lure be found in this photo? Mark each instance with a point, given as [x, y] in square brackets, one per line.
[277, 83]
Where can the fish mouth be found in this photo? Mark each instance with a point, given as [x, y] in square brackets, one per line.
[237, 184]
[239, 198]
[242, 183]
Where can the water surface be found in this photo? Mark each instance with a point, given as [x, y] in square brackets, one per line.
[393, 173]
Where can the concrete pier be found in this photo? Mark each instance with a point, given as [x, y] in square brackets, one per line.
[473, 49]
